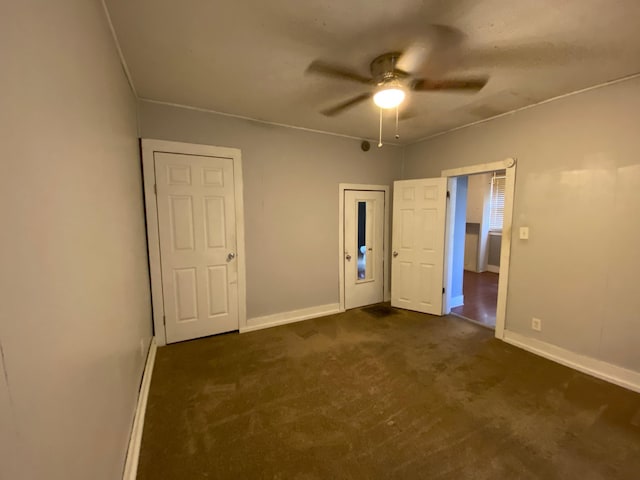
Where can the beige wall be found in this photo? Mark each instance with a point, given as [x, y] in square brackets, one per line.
[291, 182]
[578, 190]
[75, 303]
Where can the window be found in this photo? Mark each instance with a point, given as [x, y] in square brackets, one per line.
[497, 202]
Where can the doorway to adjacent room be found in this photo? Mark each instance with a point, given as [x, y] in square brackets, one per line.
[478, 242]
[480, 213]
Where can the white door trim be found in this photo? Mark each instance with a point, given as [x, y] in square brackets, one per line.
[447, 281]
[149, 146]
[386, 236]
[509, 165]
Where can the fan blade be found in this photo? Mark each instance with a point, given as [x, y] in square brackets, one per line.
[469, 84]
[407, 115]
[330, 112]
[336, 71]
[431, 51]
[413, 57]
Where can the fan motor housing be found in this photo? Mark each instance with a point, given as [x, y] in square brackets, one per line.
[383, 68]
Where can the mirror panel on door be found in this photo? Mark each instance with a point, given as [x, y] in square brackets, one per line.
[363, 247]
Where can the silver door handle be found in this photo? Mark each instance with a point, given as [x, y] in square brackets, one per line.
[395, 254]
[348, 257]
[231, 256]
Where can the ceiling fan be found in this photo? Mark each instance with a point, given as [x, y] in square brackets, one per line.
[393, 74]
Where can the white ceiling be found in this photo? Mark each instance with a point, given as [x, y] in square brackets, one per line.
[249, 58]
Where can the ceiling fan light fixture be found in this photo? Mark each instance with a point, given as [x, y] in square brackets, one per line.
[389, 97]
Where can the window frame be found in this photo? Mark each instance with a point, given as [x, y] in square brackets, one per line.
[497, 191]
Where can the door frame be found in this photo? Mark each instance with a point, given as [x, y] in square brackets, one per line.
[386, 259]
[149, 147]
[509, 165]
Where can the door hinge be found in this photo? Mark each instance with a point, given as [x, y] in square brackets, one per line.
[164, 320]
[155, 188]
[448, 194]
[442, 289]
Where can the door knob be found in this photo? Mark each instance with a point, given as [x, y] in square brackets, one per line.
[348, 257]
[395, 254]
[231, 256]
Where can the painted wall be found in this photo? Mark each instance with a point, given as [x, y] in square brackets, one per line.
[578, 190]
[459, 233]
[479, 197]
[75, 307]
[291, 182]
[479, 212]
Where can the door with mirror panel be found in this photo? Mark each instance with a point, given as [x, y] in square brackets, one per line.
[197, 231]
[363, 247]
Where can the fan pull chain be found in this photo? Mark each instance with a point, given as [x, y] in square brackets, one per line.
[380, 138]
[397, 134]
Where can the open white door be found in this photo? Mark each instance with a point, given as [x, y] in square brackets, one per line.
[419, 215]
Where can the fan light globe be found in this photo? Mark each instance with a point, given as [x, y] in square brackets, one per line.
[389, 97]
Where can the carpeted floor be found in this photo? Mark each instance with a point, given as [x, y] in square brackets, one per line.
[370, 396]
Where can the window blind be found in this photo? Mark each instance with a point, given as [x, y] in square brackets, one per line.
[497, 203]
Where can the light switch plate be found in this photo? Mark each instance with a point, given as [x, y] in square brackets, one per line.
[524, 233]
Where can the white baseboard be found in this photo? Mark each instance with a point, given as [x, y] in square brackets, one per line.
[133, 452]
[457, 301]
[597, 368]
[493, 268]
[258, 323]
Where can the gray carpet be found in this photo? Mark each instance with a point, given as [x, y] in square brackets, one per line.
[360, 396]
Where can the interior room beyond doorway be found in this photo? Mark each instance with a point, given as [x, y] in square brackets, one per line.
[480, 292]
[478, 237]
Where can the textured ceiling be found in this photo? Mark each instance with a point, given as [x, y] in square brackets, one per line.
[249, 58]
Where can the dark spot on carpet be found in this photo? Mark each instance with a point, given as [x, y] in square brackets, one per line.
[307, 334]
[380, 311]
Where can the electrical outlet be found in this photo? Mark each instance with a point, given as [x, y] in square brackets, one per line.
[536, 324]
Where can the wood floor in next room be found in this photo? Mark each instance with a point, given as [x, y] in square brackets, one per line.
[362, 395]
[480, 292]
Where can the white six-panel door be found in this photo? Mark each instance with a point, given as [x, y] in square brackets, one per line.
[197, 231]
[363, 260]
[419, 213]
